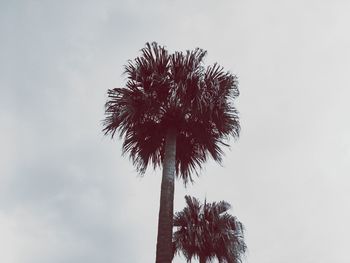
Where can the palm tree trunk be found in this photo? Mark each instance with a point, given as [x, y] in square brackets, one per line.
[202, 260]
[166, 209]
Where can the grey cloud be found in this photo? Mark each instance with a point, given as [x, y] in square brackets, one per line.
[67, 195]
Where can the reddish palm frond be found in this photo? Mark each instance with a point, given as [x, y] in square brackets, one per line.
[173, 91]
[208, 231]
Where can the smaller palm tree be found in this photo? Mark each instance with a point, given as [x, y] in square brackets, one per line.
[207, 231]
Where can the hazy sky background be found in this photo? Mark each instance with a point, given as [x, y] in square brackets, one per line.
[67, 195]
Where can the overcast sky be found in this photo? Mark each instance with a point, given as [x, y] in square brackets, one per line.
[66, 193]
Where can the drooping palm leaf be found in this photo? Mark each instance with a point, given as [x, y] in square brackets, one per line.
[173, 91]
[208, 231]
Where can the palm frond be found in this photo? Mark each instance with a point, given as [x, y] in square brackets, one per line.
[208, 231]
[173, 91]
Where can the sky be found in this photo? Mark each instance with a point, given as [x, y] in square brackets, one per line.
[66, 193]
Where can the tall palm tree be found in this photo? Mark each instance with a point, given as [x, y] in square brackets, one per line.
[207, 232]
[173, 112]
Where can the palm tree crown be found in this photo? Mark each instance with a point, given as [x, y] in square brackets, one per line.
[173, 91]
[207, 232]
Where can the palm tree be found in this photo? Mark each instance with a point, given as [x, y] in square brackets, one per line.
[207, 232]
[173, 112]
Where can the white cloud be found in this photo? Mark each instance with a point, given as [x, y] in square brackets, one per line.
[66, 194]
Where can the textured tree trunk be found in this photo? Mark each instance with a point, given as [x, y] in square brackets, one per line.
[202, 260]
[166, 209]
